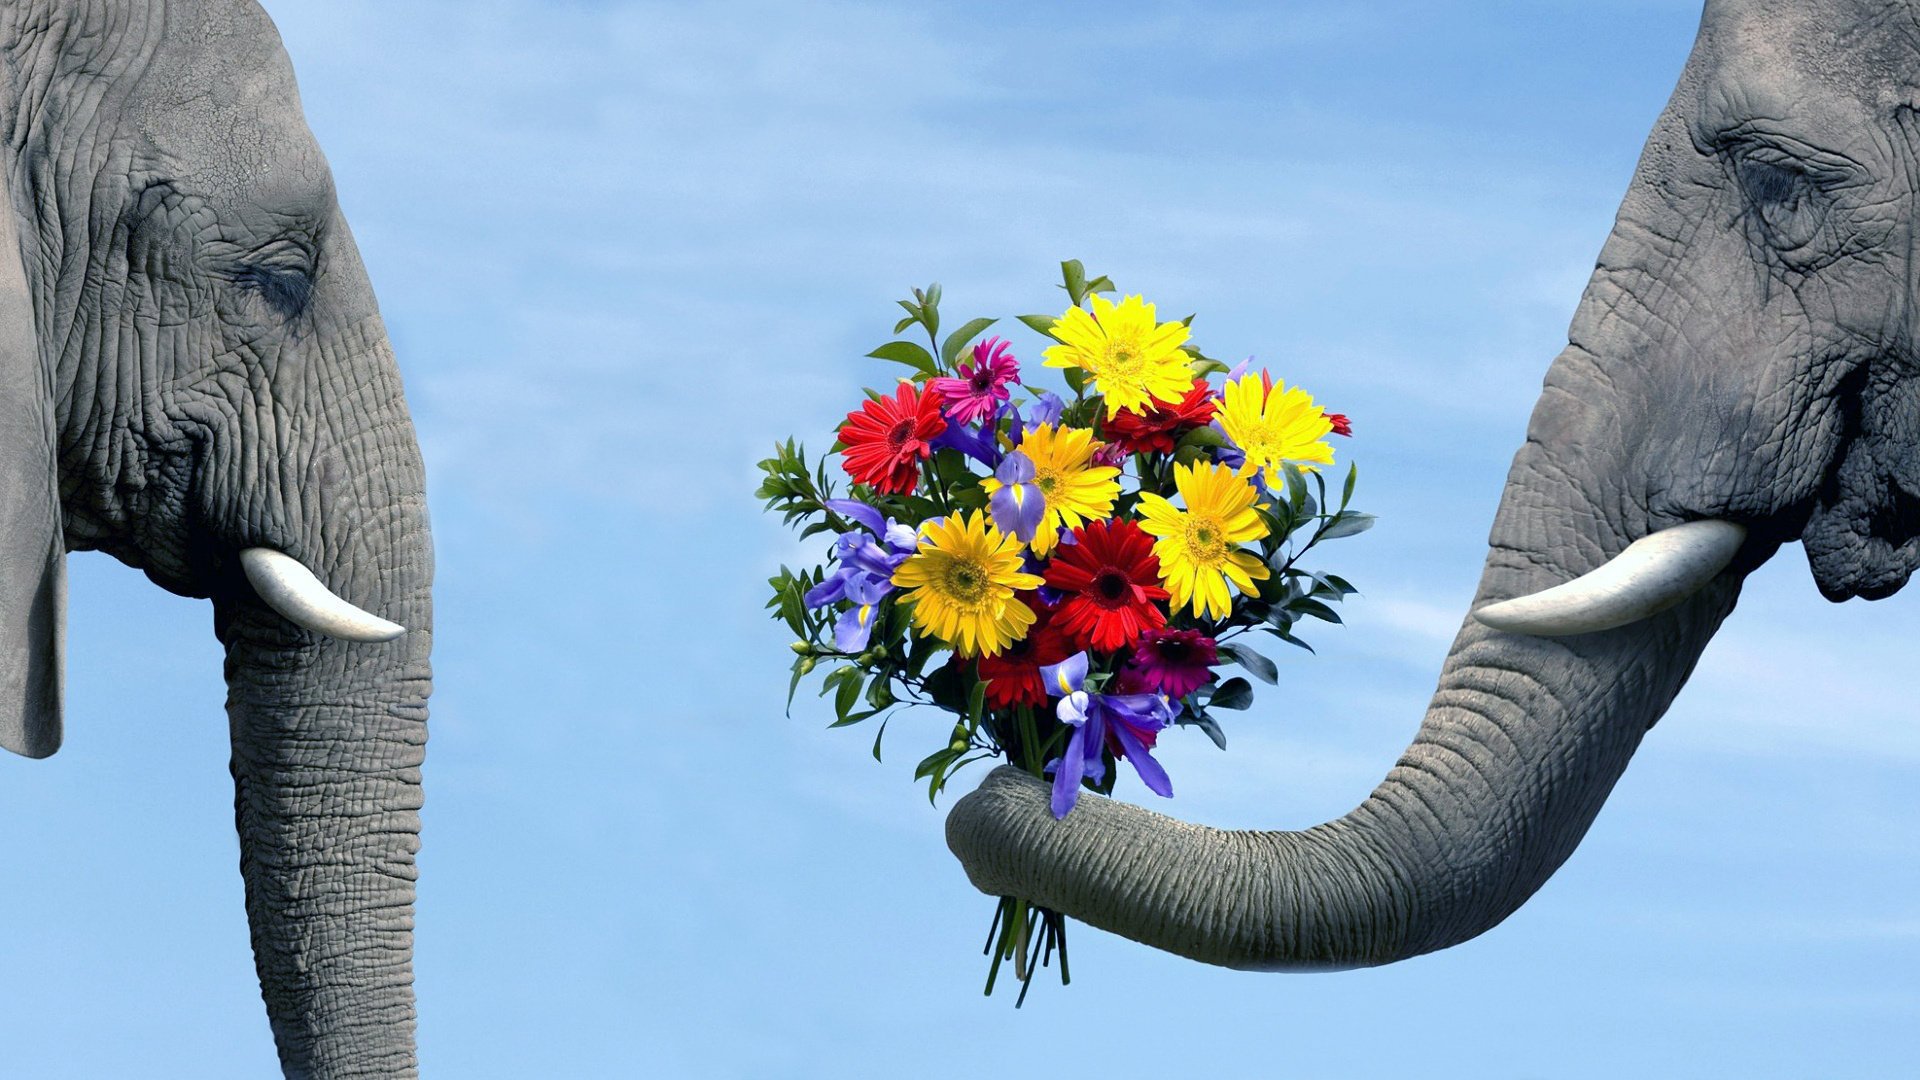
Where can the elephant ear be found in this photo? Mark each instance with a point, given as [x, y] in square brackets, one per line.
[33, 554]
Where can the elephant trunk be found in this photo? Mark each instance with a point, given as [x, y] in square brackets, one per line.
[328, 740]
[1523, 741]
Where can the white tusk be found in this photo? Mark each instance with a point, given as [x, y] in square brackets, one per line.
[1654, 573]
[291, 589]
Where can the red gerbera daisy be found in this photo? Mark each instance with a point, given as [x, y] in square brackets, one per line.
[886, 440]
[1112, 579]
[1013, 674]
[1158, 427]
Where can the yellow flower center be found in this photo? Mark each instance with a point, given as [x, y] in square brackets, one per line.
[1046, 478]
[1262, 439]
[966, 582]
[1206, 546]
[1123, 358]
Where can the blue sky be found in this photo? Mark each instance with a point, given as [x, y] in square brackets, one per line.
[622, 248]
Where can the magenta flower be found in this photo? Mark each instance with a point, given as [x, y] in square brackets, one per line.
[1170, 662]
[982, 384]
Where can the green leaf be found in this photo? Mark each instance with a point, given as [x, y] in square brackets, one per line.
[904, 323]
[795, 684]
[977, 702]
[853, 718]
[1346, 494]
[878, 735]
[1040, 324]
[906, 352]
[959, 339]
[1211, 726]
[1315, 608]
[1347, 523]
[1296, 489]
[1076, 379]
[848, 695]
[1235, 693]
[1074, 276]
[1253, 661]
[1289, 639]
[935, 761]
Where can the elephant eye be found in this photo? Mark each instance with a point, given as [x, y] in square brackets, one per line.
[280, 275]
[1788, 202]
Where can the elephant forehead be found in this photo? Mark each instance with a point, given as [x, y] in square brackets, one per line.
[1867, 50]
[218, 107]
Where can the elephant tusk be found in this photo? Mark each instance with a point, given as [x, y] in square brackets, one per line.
[292, 590]
[1654, 573]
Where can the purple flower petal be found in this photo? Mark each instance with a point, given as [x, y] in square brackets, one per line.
[854, 627]
[901, 539]
[1074, 709]
[870, 558]
[1018, 509]
[855, 510]
[1015, 468]
[1066, 676]
[867, 589]
[1151, 774]
[1047, 410]
[833, 588]
[978, 445]
[1067, 775]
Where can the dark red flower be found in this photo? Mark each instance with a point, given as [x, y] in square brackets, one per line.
[1340, 424]
[886, 440]
[1111, 579]
[1013, 674]
[1170, 662]
[1158, 427]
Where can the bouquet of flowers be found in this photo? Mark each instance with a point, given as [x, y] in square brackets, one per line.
[1065, 575]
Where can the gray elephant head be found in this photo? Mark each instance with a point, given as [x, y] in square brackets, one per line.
[1747, 353]
[194, 378]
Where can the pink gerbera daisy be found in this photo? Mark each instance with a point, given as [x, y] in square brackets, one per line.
[982, 384]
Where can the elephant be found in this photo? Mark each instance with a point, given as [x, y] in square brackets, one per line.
[196, 380]
[1742, 371]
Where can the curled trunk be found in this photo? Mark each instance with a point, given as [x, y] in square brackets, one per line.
[1522, 742]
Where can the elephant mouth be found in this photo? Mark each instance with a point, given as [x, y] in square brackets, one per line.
[1863, 536]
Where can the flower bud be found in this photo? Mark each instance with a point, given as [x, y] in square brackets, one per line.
[801, 647]
[806, 666]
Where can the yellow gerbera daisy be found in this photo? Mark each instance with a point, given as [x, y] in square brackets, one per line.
[1133, 359]
[963, 581]
[1198, 546]
[1274, 425]
[1076, 490]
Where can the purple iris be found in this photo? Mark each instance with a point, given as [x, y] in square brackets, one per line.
[1129, 724]
[865, 574]
[1047, 410]
[977, 443]
[1018, 505]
